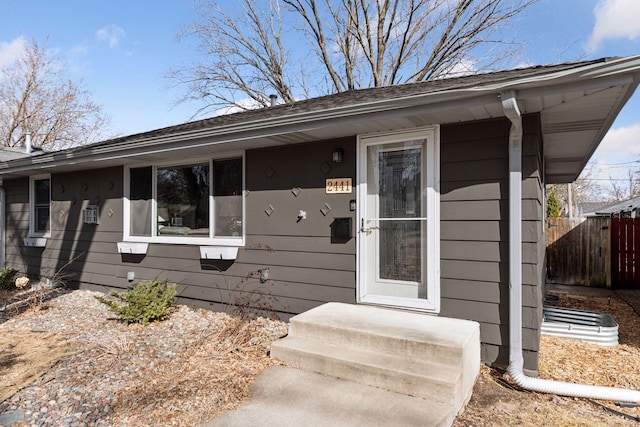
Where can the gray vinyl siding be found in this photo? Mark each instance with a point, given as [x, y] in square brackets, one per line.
[474, 245]
[306, 268]
[75, 250]
[310, 268]
[17, 224]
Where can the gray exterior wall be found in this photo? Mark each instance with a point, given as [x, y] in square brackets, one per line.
[474, 232]
[78, 251]
[307, 268]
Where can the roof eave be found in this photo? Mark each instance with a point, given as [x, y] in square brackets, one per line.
[614, 72]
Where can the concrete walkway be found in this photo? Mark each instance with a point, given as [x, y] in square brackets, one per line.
[631, 297]
[283, 397]
[575, 290]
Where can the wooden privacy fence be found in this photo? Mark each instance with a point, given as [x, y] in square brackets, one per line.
[579, 251]
[625, 252]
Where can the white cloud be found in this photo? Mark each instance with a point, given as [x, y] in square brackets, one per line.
[462, 68]
[112, 34]
[242, 105]
[9, 52]
[615, 19]
[81, 49]
[525, 64]
[622, 142]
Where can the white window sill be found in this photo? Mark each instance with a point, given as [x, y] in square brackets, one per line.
[181, 240]
[206, 252]
[35, 242]
[132, 248]
[219, 252]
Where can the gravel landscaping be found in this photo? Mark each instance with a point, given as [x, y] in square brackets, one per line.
[67, 361]
[181, 371]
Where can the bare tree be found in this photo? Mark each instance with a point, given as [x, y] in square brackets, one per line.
[245, 56]
[584, 189]
[299, 48]
[627, 187]
[35, 98]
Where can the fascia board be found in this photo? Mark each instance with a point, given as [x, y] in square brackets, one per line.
[613, 113]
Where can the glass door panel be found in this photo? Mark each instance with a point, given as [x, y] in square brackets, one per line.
[394, 223]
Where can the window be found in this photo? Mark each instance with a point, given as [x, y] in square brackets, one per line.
[40, 201]
[192, 203]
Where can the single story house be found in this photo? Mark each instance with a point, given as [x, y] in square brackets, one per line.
[425, 196]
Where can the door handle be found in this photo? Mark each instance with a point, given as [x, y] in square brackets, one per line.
[366, 230]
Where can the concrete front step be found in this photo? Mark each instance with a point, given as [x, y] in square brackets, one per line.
[427, 337]
[431, 357]
[436, 382]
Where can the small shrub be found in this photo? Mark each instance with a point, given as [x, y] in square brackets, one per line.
[145, 303]
[7, 276]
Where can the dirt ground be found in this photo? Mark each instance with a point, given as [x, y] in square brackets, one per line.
[26, 356]
[498, 402]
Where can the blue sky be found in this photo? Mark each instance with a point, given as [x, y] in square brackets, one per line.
[121, 51]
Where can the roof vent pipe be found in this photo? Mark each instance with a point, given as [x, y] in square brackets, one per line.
[274, 99]
[27, 143]
[516, 360]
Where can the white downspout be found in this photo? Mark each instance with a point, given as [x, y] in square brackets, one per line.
[516, 360]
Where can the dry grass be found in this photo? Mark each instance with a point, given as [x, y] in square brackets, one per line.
[211, 372]
[182, 371]
[207, 378]
[586, 363]
[25, 356]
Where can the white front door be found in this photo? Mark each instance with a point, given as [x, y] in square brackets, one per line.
[398, 219]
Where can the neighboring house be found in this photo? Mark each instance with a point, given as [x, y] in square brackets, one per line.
[625, 209]
[13, 153]
[586, 209]
[425, 196]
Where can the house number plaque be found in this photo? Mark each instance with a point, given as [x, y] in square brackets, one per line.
[338, 186]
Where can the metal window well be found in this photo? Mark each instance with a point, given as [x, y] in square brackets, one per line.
[597, 328]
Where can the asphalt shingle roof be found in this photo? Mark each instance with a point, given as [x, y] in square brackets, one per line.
[354, 97]
[617, 207]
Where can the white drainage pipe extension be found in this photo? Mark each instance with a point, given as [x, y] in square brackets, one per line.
[516, 361]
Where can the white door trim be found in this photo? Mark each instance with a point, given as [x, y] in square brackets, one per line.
[431, 197]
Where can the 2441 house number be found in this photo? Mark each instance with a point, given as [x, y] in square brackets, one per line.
[338, 186]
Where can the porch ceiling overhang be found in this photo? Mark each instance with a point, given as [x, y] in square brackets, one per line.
[577, 106]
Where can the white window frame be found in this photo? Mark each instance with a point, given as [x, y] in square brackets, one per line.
[183, 240]
[32, 206]
[432, 242]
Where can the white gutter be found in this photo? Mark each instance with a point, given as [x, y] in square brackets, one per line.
[516, 360]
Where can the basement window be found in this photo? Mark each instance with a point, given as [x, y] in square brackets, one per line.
[194, 202]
